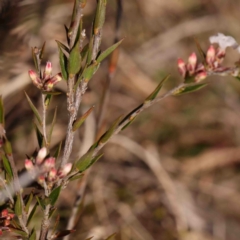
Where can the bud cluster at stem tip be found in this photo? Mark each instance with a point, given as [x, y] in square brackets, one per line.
[47, 82]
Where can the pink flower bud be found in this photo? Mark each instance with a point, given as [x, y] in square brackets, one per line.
[35, 79]
[52, 175]
[49, 163]
[200, 76]
[48, 85]
[42, 153]
[220, 54]
[48, 71]
[192, 63]
[65, 170]
[29, 164]
[211, 53]
[182, 67]
[41, 180]
[4, 213]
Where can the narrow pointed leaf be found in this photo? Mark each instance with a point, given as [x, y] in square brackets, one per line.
[18, 206]
[52, 211]
[1, 111]
[74, 61]
[84, 51]
[40, 202]
[81, 120]
[89, 71]
[128, 124]
[86, 161]
[42, 51]
[32, 213]
[54, 93]
[7, 147]
[28, 202]
[19, 232]
[63, 63]
[108, 51]
[189, 89]
[52, 126]
[61, 45]
[39, 135]
[105, 137]
[75, 177]
[33, 235]
[7, 166]
[47, 100]
[154, 94]
[54, 195]
[35, 111]
[90, 51]
[100, 16]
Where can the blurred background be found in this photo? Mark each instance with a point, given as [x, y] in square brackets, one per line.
[174, 173]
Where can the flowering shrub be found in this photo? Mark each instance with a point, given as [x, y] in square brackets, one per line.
[79, 62]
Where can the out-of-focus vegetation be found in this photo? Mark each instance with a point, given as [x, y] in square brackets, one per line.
[174, 173]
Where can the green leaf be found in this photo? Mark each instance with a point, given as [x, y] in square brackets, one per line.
[40, 202]
[7, 148]
[75, 177]
[54, 93]
[238, 78]
[7, 166]
[89, 71]
[90, 51]
[105, 137]
[52, 126]
[184, 90]
[111, 237]
[18, 206]
[84, 51]
[42, 51]
[81, 120]
[128, 124]
[54, 195]
[87, 161]
[35, 111]
[61, 45]
[28, 202]
[63, 62]
[39, 136]
[47, 100]
[154, 94]
[99, 16]
[32, 212]
[52, 211]
[1, 111]
[74, 61]
[33, 235]
[108, 51]
[18, 231]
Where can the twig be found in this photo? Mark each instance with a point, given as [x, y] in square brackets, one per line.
[45, 221]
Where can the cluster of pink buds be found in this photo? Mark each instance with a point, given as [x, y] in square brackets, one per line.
[212, 62]
[192, 68]
[47, 167]
[46, 82]
[5, 220]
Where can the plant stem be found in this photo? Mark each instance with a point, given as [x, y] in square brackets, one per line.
[44, 120]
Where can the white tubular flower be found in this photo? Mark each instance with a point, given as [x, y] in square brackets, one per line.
[224, 41]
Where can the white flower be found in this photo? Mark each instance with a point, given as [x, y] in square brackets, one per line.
[224, 41]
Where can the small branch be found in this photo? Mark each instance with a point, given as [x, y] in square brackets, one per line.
[45, 221]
